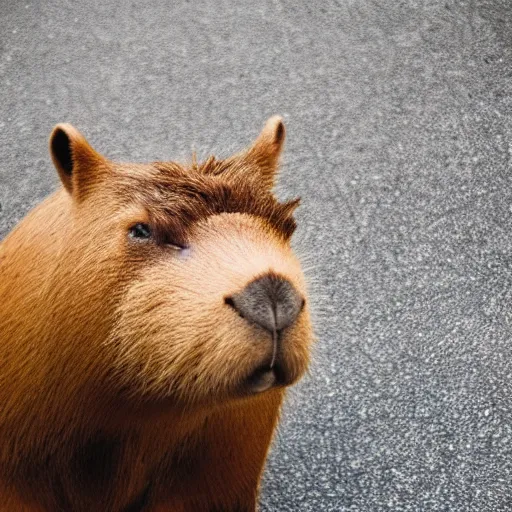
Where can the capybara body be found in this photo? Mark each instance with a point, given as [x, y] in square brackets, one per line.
[151, 317]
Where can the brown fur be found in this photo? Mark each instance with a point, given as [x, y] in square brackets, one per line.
[121, 367]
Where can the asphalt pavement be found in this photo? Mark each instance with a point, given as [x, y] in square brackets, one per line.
[399, 143]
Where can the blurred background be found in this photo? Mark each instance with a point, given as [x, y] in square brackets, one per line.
[399, 143]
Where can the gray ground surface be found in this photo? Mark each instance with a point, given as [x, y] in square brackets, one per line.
[400, 141]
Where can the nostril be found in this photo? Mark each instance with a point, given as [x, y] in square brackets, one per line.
[229, 301]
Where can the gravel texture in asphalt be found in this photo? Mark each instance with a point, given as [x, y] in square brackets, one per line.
[399, 142]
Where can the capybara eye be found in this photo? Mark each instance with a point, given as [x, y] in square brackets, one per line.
[140, 231]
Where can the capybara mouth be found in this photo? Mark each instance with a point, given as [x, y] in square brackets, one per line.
[266, 377]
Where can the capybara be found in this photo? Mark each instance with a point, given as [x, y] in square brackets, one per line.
[152, 316]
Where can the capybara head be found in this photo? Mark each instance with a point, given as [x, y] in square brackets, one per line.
[197, 293]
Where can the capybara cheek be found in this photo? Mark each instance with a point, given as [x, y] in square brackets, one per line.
[198, 354]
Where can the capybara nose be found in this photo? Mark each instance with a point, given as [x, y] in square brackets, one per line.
[269, 301]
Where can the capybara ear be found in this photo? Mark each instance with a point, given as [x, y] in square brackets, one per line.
[75, 160]
[266, 149]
